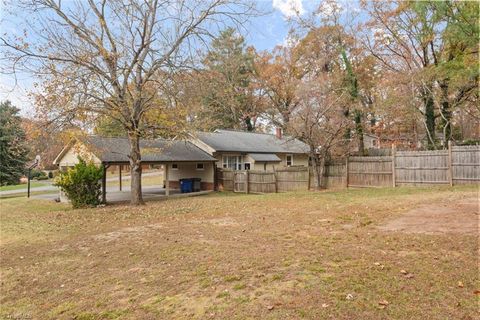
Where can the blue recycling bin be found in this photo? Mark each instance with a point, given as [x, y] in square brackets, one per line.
[186, 185]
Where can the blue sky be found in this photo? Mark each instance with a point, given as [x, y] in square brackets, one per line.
[264, 33]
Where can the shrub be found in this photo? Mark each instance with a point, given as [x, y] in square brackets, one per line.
[50, 175]
[42, 178]
[36, 174]
[81, 184]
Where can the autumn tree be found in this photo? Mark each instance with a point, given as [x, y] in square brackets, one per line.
[431, 49]
[279, 75]
[319, 121]
[101, 58]
[333, 26]
[45, 140]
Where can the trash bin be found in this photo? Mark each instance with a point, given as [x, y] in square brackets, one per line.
[196, 184]
[186, 185]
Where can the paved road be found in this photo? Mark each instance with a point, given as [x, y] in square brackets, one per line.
[48, 186]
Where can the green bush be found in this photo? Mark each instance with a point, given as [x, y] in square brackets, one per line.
[81, 184]
[36, 174]
[42, 178]
[50, 175]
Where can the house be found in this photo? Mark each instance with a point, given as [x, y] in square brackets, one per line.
[185, 159]
[240, 150]
[370, 141]
[196, 158]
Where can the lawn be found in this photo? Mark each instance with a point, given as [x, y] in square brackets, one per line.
[355, 254]
[33, 184]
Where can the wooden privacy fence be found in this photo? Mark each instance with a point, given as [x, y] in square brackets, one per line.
[456, 165]
[279, 180]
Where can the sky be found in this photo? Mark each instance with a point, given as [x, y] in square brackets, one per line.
[263, 32]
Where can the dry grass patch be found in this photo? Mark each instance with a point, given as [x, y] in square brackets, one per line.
[229, 256]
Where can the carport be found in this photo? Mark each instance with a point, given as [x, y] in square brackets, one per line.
[180, 159]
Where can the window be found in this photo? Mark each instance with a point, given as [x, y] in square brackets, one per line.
[246, 165]
[200, 166]
[232, 162]
[289, 159]
[174, 166]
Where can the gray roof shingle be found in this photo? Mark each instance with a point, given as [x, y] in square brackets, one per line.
[241, 141]
[159, 150]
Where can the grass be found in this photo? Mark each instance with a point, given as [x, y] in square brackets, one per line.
[306, 255]
[33, 184]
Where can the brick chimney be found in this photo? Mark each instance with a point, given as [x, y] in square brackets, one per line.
[278, 133]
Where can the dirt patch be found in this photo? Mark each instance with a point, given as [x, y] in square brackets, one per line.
[221, 222]
[453, 217]
[127, 232]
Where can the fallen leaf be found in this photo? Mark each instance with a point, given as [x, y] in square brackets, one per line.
[409, 275]
[383, 303]
[460, 284]
[270, 307]
[476, 292]
[324, 305]
[349, 296]
[403, 271]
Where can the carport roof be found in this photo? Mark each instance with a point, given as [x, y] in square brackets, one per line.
[116, 150]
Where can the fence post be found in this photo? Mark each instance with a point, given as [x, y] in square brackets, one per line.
[275, 179]
[308, 178]
[247, 176]
[394, 175]
[450, 169]
[346, 172]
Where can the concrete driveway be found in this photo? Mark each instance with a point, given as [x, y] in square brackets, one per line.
[149, 193]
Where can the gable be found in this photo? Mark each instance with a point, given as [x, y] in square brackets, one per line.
[69, 156]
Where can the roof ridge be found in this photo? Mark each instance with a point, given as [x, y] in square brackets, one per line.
[242, 131]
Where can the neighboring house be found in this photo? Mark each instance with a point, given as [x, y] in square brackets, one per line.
[240, 150]
[371, 141]
[185, 159]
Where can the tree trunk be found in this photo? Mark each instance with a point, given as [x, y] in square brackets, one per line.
[429, 119]
[317, 169]
[446, 113]
[359, 131]
[135, 170]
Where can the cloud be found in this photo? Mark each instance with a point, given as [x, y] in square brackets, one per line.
[328, 8]
[289, 8]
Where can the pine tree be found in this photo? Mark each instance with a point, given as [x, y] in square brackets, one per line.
[229, 101]
[13, 150]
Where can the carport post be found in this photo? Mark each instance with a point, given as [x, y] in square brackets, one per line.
[167, 182]
[104, 183]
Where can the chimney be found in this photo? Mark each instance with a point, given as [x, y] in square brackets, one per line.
[278, 133]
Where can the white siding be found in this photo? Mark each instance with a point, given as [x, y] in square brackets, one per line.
[71, 156]
[189, 170]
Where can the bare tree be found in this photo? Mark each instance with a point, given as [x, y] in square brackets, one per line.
[319, 121]
[114, 57]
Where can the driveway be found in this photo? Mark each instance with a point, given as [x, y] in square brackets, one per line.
[49, 187]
